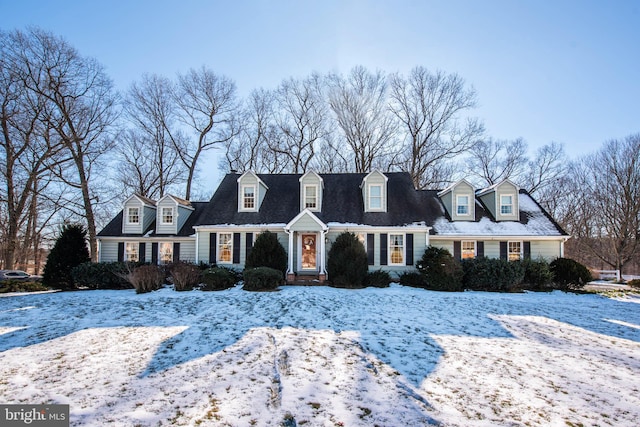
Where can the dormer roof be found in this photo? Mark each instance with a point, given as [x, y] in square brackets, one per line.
[255, 175]
[144, 200]
[496, 185]
[177, 201]
[453, 186]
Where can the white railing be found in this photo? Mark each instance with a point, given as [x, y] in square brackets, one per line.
[608, 274]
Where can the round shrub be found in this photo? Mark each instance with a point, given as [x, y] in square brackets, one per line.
[267, 252]
[347, 262]
[569, 274]
[440, 270]
[495, 275]
[262, 279]
[413, 279]
[537, 275]
[378, 279]
[218, 279]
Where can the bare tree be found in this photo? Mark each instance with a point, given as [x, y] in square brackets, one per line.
[207, 107]
[495, 160]
[607, 188]
[428, 107]
[360, 107]
[151, 110]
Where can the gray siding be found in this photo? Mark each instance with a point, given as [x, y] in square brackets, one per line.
[108, 251]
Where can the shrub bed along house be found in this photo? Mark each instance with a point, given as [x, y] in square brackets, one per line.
[537, 275]
[412, 278]
[378, 279]
[102, 275]
[489, 274]
[262, 279]
[440, 271]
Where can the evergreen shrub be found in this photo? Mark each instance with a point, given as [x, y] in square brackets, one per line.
[267, 252]
[185, 276]
[262, 279]
[440, 270]
[413, 279]
[378, 279]
[537, 275]
[569, 274]
[218, 279]
[102, 275]
[488, 274]
[69, 251]
[347, 265]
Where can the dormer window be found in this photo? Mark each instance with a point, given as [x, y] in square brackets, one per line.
[249, 197]
[462, 205]
[133, 215]
[375, 197]
[310, 197]
[167, 215]
[506, 205]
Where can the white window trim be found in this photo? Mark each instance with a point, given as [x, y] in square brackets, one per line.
[242, 198]
[162, 221]
[371, 208]
[468, 205]
[218, 251]
[512, 204]
[129, 222]
[136, 250]
[404, 249]
[475, 248]
[304, 200]
[521, 255]
[160, 245]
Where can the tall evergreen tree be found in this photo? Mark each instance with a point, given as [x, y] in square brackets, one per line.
[69, 251]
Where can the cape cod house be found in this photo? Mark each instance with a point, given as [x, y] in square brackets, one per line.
[394, 221]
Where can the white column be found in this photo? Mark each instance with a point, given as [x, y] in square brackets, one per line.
[323, 237]
[290, 254]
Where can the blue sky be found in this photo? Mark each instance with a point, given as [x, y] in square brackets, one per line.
[565, 71]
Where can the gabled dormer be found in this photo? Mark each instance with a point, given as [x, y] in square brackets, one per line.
[172, 213]
[251, 192]
[311, 191]
[459, 201]
[374, 192]
[502, 200]
[137, 214]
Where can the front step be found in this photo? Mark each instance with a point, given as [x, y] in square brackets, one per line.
[306, 280]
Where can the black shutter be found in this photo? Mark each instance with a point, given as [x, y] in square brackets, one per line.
[370, 249]
[236, 248]
[409, 249]
[457, 250]
[176, 252]
[383, 249]
[249, 245]
[212, 248]
[527, 250]
[154, 253]
[120, 251]
[503, 250]
[480, 249]
[141, 252]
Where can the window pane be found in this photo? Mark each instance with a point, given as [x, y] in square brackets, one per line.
[167, 215]
[375, 197]
[225, 247]
[468, 249]
[396, 248]
[514, 251]
[463, 205]
[506, 205]
[249, 198]
[310, 200]
[131, 252]
[166, 252]
[133, 216]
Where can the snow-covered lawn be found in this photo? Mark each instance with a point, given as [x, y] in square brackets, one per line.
[316, 356]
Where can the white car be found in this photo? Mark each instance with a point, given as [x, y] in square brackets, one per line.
[18, 275]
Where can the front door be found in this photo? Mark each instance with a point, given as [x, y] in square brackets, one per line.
[308, 252]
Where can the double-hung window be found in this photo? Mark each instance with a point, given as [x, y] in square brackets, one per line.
[396, 249]
[167, 215]
[375, 197]
[166, 252]
[462, 203]
[310, 197]
[225, 248]
[514, 251]
[249, 197]
[506, 205]
[133, 216]
[468, 249]
[131, 252]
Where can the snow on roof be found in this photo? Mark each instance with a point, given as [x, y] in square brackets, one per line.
[533, 223]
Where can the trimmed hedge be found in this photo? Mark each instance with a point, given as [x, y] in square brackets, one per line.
[21, 286]
[102, 275]
[218, 279]
[569, 274]
[537, 275]
[488, 274]
[378, 279]
[347, 264]
[440, 270]
[262, 279]
[413, 279]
